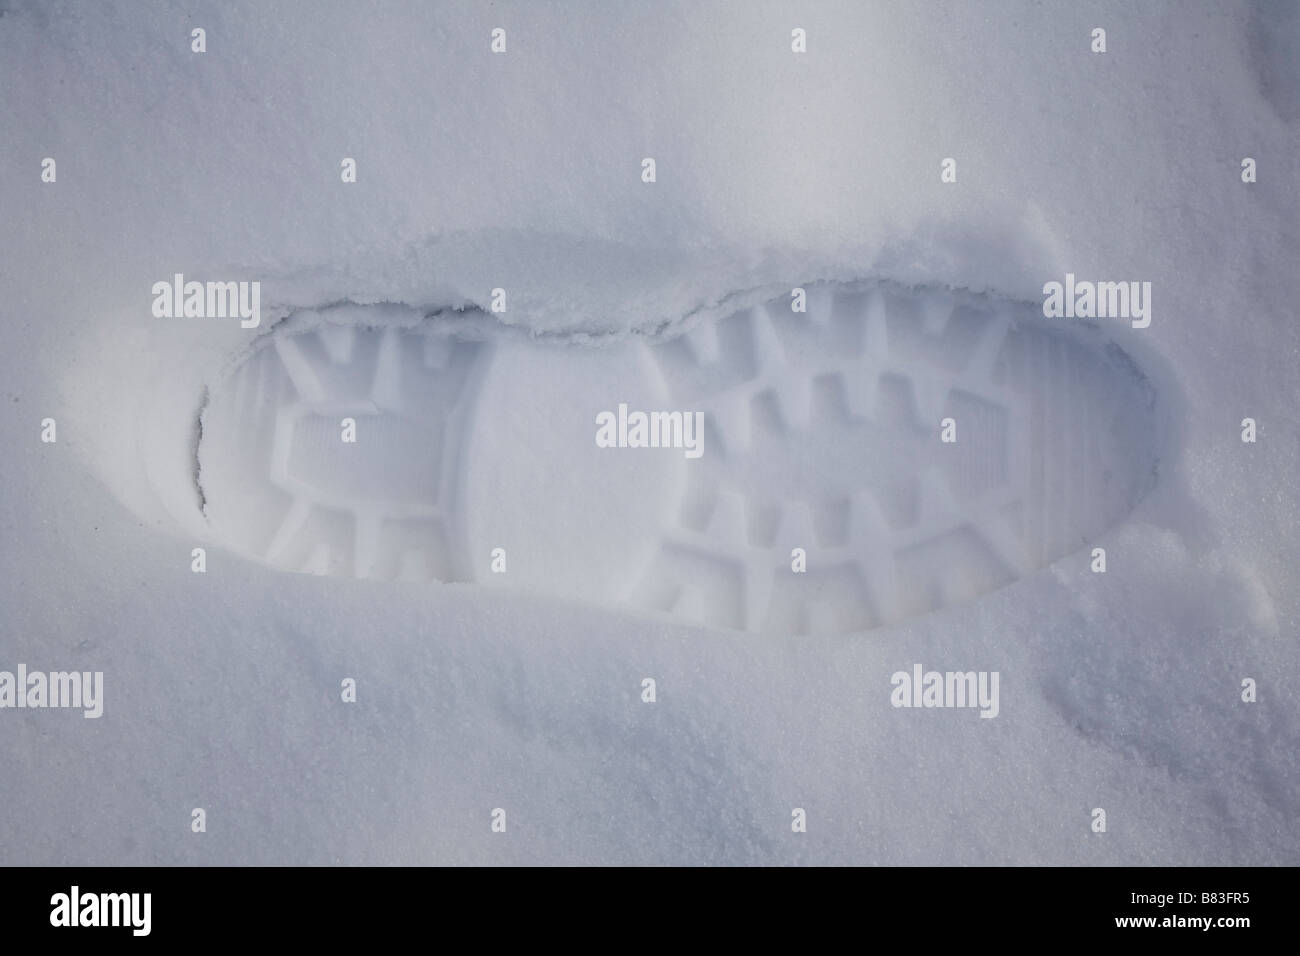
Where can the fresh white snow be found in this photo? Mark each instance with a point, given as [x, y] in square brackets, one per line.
[522, 171]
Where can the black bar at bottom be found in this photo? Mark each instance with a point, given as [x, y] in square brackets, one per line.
[333, 906]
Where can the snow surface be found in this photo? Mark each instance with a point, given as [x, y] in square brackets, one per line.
[522, 171]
